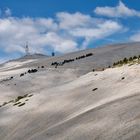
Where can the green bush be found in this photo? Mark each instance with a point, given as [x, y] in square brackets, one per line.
[125, 60]
[21, 97]
[130, 59]
[135, 57]
[114, 64]
[120, 62]
[18, 98]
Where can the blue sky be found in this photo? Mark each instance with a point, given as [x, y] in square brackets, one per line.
[65, 26]
[45, 8]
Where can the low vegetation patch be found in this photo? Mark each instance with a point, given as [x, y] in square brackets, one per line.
[70, 60]
[130, 61]
[6, 79]
[18, 101]
[6, 103]
[31, 71]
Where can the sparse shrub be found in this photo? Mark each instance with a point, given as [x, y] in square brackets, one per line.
[30, 95]
[29, 71]
[70, 60]
[21, 104]
[18, 98]
[123, 78]
[7, 79]
[17, 103]
[11, 101]
[89, 54]
[26, 95]
[22, 74]
[94, 89]
[32, 71]
[54, 63]
[21, 97]
[5, 103]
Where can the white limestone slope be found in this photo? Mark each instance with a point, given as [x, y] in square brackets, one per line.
[64, 107]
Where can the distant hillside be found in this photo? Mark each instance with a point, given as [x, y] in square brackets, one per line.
[102, 57]
[34, 56]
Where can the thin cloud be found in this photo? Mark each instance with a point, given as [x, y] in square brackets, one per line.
[121, 10]
[102, 30]
[135, 37]
[72, 20]
[7, 12]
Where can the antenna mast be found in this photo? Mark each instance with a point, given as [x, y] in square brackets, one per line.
[27, 49]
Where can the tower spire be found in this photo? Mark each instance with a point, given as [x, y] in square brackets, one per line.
[27, 49]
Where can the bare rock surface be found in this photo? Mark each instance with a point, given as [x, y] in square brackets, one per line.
[62, 103]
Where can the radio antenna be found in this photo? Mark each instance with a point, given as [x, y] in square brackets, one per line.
[27, 49]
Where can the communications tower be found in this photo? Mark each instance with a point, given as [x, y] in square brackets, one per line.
[27, 49]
